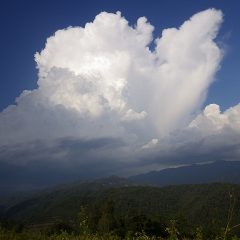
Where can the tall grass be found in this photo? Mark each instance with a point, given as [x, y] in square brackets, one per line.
[173, 235]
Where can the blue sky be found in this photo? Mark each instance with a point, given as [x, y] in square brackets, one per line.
[25, 26]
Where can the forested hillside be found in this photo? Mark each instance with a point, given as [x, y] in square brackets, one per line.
[117, 206]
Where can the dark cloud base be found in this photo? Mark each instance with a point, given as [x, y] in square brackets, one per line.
[43, 164]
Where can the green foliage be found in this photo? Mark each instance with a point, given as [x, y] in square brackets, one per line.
[107, 221]
[35, 235]
[172, 231]
[83, 221]
[199, 234]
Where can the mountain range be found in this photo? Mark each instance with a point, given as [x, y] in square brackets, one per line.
[219, 171]
[196, 195]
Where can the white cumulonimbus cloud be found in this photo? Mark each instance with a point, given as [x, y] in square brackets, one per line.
[99, 80]
[104, 81]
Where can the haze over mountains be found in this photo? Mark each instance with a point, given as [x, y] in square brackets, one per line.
[219, 171]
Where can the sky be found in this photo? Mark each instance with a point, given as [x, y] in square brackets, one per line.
[95, 88]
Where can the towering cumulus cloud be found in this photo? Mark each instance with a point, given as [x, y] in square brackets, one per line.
[102, 86]
[98, 80]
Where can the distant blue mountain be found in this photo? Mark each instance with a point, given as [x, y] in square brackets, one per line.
[219, 171]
